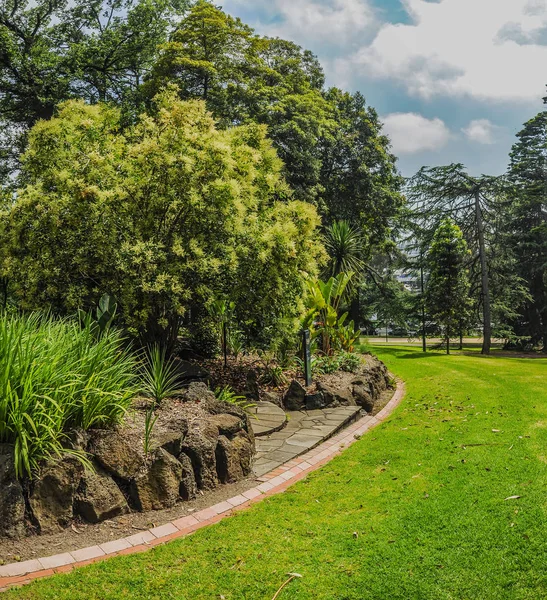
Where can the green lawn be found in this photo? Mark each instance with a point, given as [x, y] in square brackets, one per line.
[426, 493]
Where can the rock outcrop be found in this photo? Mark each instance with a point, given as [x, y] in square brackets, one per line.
[52, 495]
[12, 501]
[98, 497]
[362, 388]
[157, 485]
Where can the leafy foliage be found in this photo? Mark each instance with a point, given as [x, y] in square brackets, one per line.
[474, 203]
[329, 141]
[227, 394]
[447, 293]
[53, 50]
[526, 224]
[323, 318]
[165, 217]
[55, 376]
[346, 249]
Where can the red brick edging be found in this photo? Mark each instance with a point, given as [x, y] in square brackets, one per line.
[275, 482]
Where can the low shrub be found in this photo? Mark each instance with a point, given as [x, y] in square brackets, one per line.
[349, 361]
[56, 375]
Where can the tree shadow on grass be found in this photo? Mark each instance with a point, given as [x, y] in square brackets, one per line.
[405, 353]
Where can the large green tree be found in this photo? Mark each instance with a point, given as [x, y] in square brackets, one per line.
[166, 216]
[474, 203]
[447, 293]
[330, 142]
[527, 222]
[52, 50]
[244, 77]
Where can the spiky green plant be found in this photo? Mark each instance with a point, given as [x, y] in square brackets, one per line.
[160, 377]
[227, 394]
[346, 247]
[54, 376]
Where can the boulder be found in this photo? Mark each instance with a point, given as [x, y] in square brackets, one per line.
[98, 497]
[252, 389]
[119, 454]
[157, 484]
[200, 444]
[274, 398]
[315, 401]
[363, 396]
[12, 501]
[188, 489]
[295, 398]
[189, 371]
[336, 395]
[214, 407]
[200, 393]
[78, 439]
[170, 440]
[228, 424]
[234, 457]
[52, 495]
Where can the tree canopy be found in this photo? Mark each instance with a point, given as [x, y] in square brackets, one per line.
[169, 214]
[527, 222]
[331, 143]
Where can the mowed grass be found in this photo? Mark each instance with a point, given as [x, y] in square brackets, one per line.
[419, 508]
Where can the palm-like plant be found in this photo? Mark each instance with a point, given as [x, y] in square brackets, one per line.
[346, 248]
[323, 301]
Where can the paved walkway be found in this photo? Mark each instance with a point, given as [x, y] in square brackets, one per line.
[274, 482]
[268, 417]
[304, 430]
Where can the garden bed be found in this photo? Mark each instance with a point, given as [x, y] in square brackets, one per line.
[191, 451]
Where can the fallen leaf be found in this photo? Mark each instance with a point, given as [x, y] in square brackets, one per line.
[513, 498]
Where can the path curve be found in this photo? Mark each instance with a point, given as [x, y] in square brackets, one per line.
[274, 482]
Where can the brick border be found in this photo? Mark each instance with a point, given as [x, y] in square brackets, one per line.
[274, 482]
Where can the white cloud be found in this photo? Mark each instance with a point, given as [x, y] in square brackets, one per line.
[314, 22]
[481, 131]
[454, 48]
[411, 132]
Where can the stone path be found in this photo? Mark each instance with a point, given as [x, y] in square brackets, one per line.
[304, 430]
[269, 418]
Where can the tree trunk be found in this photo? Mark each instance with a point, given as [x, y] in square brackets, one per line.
[486, 311]
[447, 344]
[354, 310]
[424, 342]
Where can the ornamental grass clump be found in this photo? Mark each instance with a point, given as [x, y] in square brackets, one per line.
[56, 375]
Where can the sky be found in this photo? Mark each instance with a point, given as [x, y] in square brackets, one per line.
[452, 80]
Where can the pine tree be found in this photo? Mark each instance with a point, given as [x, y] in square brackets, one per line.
[527, 223]
[447, 293]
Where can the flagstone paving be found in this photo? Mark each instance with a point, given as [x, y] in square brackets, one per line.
[303, 431]
[267, 418]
